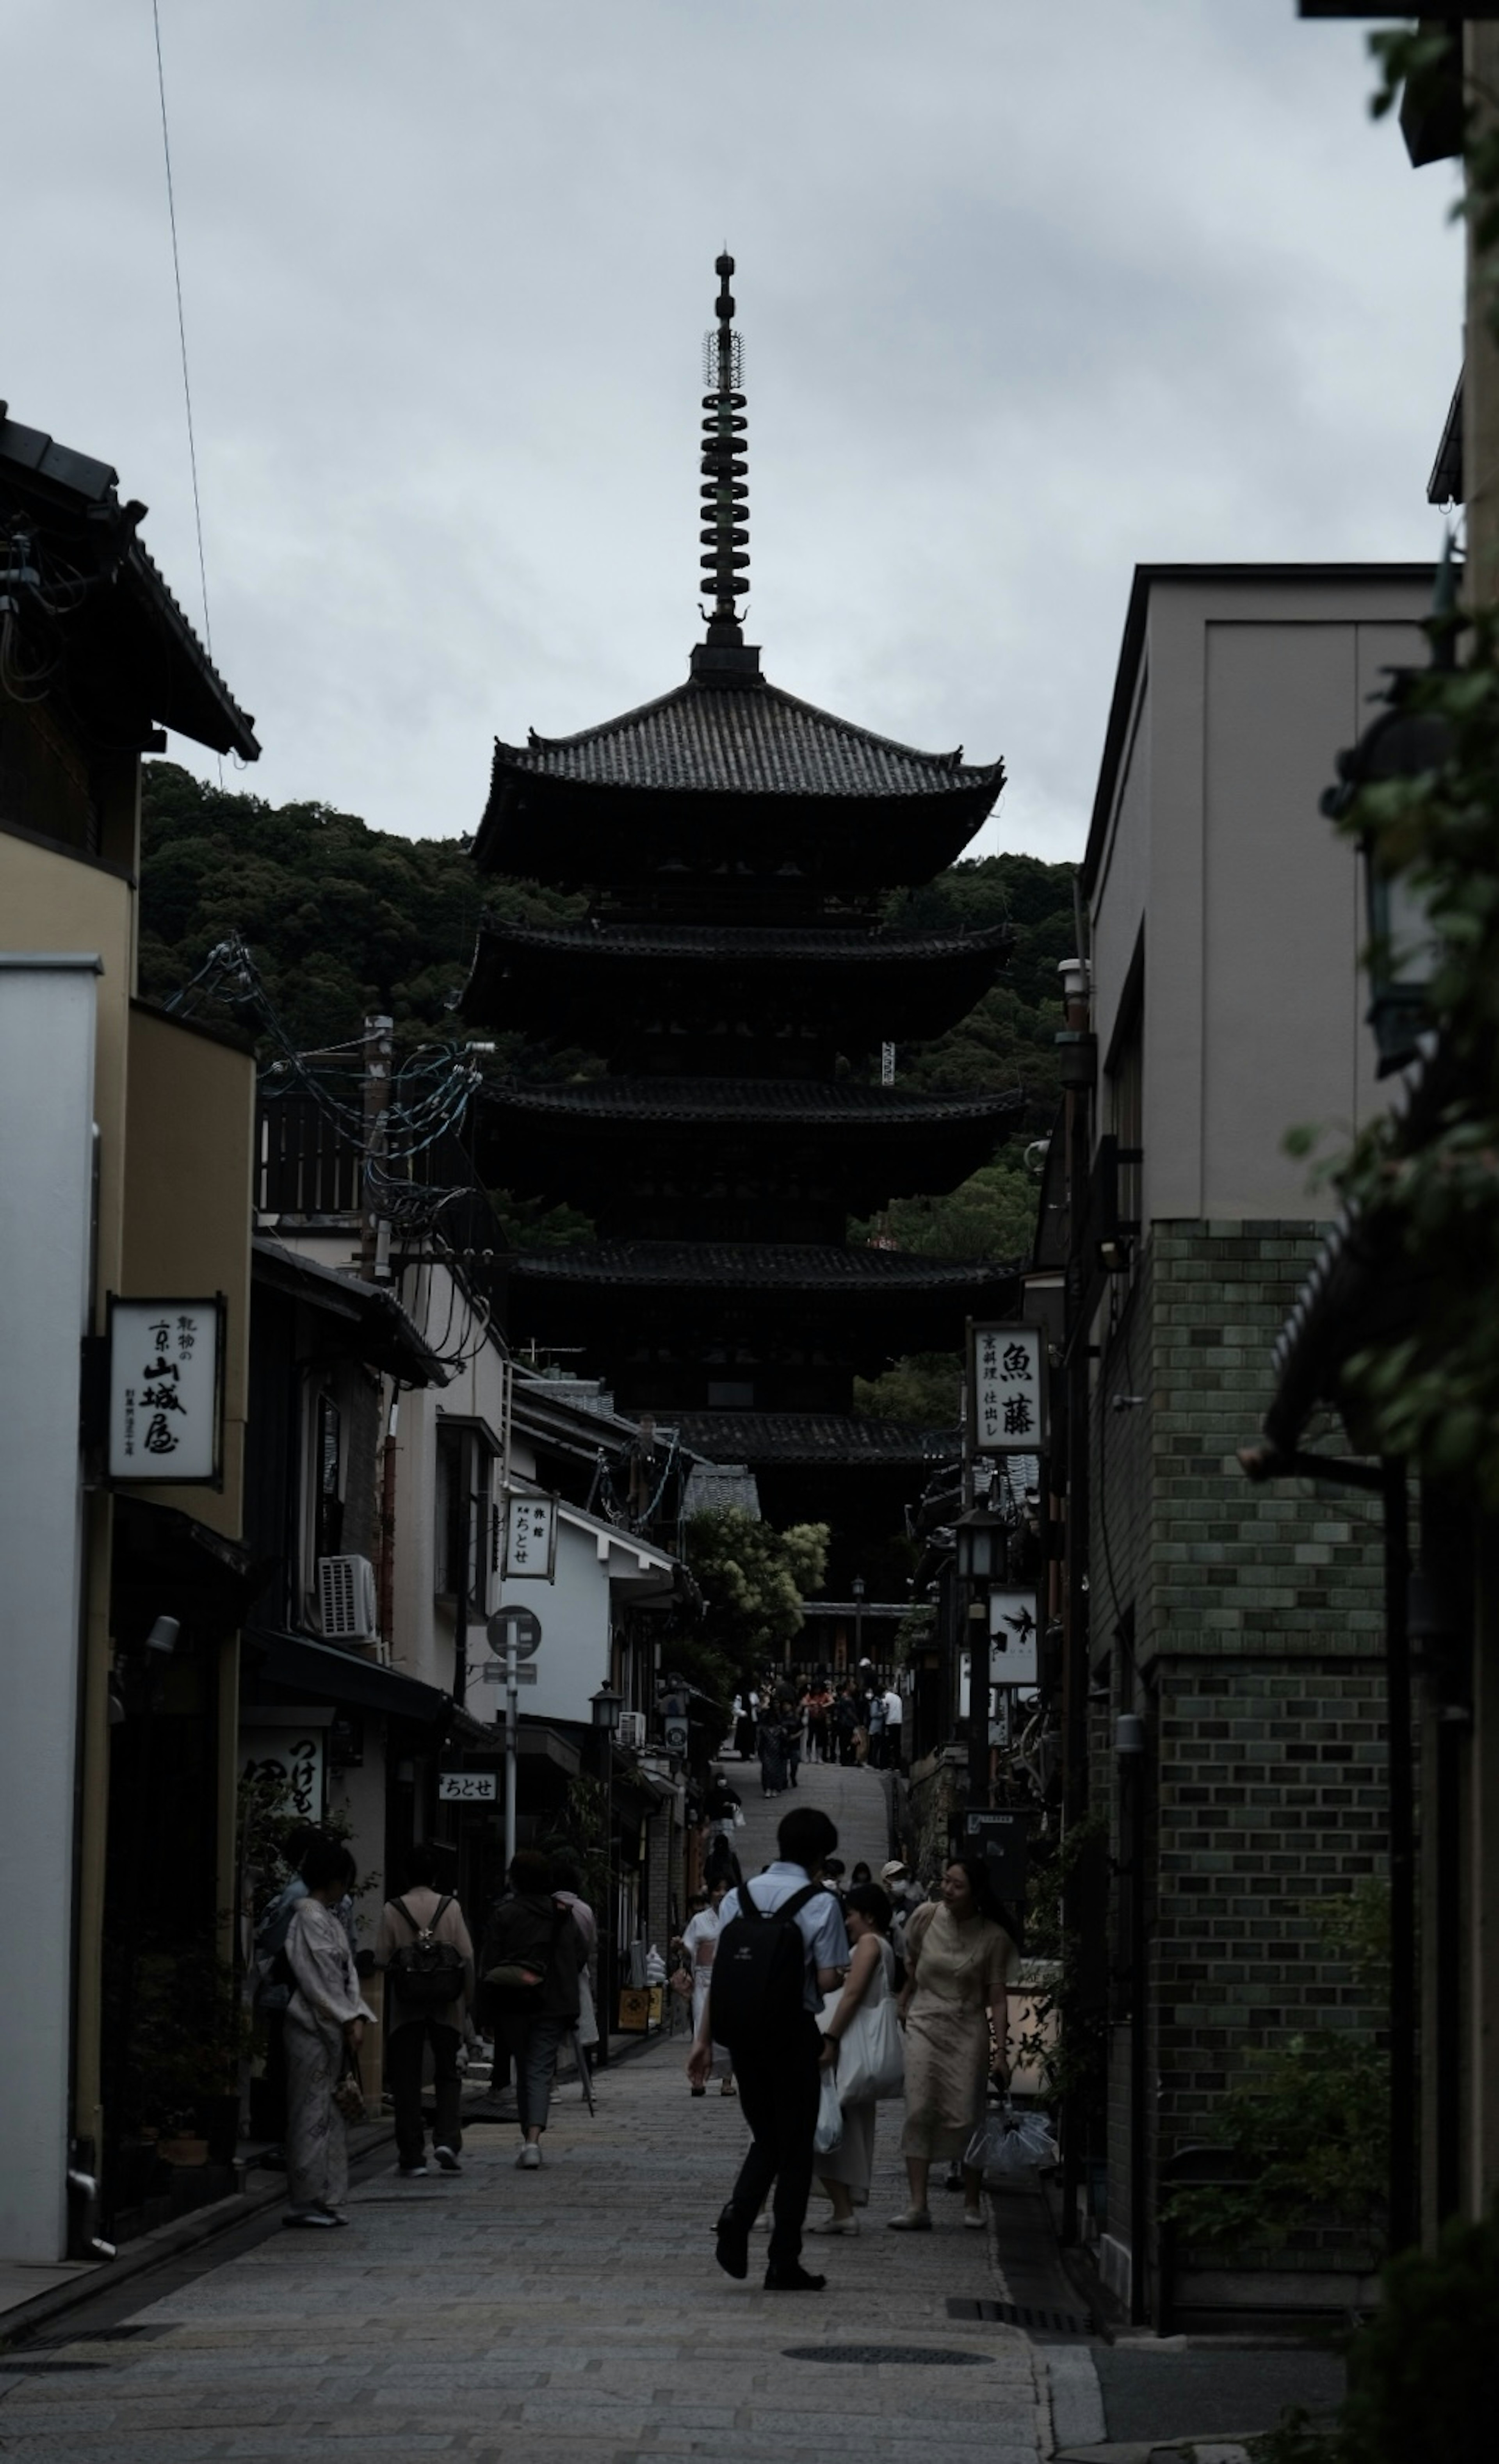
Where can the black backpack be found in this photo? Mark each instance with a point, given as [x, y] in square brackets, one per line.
[758, 1993]
[429, 1973]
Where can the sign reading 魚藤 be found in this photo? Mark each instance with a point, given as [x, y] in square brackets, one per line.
[1014, 1638]
[165, 1390]
[1007, 1384]
[531, 1538]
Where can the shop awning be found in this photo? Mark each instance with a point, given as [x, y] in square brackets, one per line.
[329, 1675]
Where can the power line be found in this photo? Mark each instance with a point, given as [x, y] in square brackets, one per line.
[182, 338]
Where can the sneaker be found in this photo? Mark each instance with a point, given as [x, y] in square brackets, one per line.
[334, 2215]
[447, 2160]
[914, 2220]
[311, 2219]
[529, 2159]
[973, 2218]
[412, 2172]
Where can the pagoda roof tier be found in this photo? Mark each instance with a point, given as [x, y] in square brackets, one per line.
[869, 986]
[817, 1268]
[729, 772]
[820, 1440]
[616, 1141]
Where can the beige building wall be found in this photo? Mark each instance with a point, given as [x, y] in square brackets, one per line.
[1242, 690]
[189, 1142]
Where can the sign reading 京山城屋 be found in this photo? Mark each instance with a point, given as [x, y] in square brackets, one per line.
[531, 1538]
[167, 1390]
[1007, 1386]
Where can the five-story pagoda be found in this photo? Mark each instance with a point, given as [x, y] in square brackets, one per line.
[738, 849]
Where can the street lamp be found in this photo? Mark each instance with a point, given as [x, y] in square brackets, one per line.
[979, 1539]
[858, 1620]
[609, 1709]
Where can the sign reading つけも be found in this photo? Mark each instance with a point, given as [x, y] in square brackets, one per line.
[167, 1390]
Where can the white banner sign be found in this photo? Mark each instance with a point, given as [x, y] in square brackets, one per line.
[291, 1760]
[467, 1788]
[1007, 1386]
[1014, 1638]
[165, 1394]
[531, 1538]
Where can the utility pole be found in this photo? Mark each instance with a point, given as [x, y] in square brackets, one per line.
[374, 1225]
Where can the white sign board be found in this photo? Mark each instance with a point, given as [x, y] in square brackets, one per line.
[1006, 1375]
[531, 1538]
[292, 1761]
[468, 1787]
[1014, 1638]
[492, 1673]
[165, 1391]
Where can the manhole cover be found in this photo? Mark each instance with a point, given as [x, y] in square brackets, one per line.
[907, 2356]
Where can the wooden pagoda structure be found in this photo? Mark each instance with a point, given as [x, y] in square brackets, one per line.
[732, 976]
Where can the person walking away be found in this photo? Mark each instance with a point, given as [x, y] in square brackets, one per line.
[566, 1889]
[845, 2174]
[529, 1988]
[819, 1702]
[415, 1930]
[698, 1943]
[958, 1959]
[792, 1738]
[772, 1751]
[274, 1992]
[876, 1727]
[766, 1993]
[895, 1718]
[861, 1724]
[846, 1719]
[325, 2016]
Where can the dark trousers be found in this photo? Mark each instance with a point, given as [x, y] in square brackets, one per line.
[778, 2096]
[403, 2071]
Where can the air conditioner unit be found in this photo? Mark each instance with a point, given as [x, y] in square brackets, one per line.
[632, 1729]
[346, 1599]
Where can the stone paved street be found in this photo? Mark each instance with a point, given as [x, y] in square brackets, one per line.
[571, 2314]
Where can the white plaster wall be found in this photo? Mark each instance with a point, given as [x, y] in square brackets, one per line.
[573, 1661]
[47, 1038]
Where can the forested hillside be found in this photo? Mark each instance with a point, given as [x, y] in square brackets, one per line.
[343, 919]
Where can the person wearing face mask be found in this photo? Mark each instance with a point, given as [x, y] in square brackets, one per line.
[959, 1954]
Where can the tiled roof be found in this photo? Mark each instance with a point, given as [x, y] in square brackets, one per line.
[823, 1438]
[749, 739]
[744, 1101]
[763, 1266]
[769, 944]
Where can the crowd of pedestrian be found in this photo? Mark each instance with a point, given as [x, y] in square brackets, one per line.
[857, 1722]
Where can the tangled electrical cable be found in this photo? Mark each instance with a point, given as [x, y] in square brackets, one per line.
[430, 1093]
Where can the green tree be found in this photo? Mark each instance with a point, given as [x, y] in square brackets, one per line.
[752, 1579]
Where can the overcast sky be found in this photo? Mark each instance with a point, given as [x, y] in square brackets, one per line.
[1029, 294]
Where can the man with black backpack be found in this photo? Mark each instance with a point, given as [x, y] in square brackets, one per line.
[782, 1946]
[423, 1946]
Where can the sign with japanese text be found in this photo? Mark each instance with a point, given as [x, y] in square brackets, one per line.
[165, 1390]
[288, 1764]
[531, 1538]
[1007, 1388]
[1002, 1838]
[467, 1788]
[1014, 1638]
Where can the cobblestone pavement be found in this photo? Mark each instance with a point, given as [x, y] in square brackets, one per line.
[570, 2314]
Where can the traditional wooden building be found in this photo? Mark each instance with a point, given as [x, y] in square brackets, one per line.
[735, 978]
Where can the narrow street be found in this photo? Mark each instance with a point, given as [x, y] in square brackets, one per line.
[574, 2313]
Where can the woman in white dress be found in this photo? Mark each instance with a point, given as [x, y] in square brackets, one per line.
[700, 1943]
[845, 2174]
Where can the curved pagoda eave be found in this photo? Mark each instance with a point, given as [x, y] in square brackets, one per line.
[567, 981]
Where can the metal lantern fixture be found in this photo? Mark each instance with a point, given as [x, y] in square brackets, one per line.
[980, 1537]
[609, 1709]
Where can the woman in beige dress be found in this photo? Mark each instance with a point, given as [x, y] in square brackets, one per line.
[958, 1959]
[845, 2173]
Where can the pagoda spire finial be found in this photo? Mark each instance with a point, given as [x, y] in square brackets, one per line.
[725, 490]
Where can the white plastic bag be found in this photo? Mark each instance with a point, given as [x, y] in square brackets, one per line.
[829, 2115]
[1011, 2142]
[655, 1967]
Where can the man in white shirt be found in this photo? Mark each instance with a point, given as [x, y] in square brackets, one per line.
[778, 2078]
[894, 1711]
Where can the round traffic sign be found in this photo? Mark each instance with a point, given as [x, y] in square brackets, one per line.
[526, 1627]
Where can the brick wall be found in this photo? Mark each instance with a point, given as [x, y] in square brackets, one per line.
[1246, 1625]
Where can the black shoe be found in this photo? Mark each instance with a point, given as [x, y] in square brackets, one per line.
[732, 2247]
[792, 2279]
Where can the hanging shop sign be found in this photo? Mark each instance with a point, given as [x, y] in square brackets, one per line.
[1002, 1838]
[167, 1390]
[468, 1787]
[1014, 1638]
[288, 1764]
[531, 1539]
[1006, 1388]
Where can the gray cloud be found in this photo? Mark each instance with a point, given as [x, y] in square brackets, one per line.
[1027, 296]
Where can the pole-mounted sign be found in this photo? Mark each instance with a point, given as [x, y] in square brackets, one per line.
[167, 1390]
[1007, 1389]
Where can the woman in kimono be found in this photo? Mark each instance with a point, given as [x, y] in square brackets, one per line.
[700, 1943]
[326, 2019]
